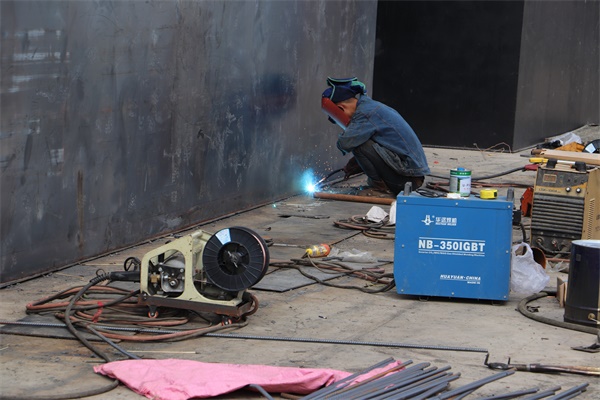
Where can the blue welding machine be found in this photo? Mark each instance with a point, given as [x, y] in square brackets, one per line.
[447, 247]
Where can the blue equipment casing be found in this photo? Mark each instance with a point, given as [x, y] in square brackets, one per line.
[453, 247]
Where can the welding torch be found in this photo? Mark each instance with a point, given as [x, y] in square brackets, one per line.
[328, 176]
[581, 370]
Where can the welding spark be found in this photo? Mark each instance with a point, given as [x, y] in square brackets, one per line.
[309, 182]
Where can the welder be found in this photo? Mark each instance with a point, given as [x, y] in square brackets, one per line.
[382, 143]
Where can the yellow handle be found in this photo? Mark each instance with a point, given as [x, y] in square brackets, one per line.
[538, 160]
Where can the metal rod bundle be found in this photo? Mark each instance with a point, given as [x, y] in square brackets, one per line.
[423, 382]
[342, 383]
[370, 389]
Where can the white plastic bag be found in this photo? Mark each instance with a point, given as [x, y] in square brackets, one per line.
[376, 214]
[527, 276]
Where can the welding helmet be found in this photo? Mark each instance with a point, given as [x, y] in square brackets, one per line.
[340, 90]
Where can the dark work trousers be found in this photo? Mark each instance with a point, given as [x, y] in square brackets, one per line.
[377, 169]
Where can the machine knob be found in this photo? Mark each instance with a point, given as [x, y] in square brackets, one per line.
[578, 190]
[568, 189]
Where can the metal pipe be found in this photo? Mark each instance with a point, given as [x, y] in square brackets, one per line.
[357, 199]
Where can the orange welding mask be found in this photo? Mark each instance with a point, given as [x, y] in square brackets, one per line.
[340, 90]
[336, 115]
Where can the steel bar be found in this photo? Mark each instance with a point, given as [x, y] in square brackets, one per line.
[346, 381]
[409, 394]
[463, 395]
[366, 385]
[379, 377]
[542, 394]
[510, 395]
[275, 338]
[409, 384]
[406, 374]
[350, 342]
[473, 385]
[567, 394]
[374, 387]
[434, 390]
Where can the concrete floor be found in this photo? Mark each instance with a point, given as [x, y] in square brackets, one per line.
[416, 329]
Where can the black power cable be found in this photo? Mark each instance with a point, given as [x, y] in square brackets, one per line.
[522, 307]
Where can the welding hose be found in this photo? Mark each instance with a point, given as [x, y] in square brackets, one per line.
[333, 267]
[375, 230]
[134, 320]
[522, 307]
[388, 285]
[76, 395]
[172, 336]
[367, 275]
[46, 305]
[89, 320]
[184, 334]
[69, 324]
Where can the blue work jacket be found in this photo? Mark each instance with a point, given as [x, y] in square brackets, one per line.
[395, 140]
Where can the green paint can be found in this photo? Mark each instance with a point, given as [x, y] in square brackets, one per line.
[460, 181]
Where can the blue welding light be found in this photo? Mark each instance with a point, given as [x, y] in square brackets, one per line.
[309, 182]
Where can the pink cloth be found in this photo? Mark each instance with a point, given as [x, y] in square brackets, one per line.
[173, 379]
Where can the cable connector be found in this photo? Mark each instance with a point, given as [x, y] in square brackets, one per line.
[125, 276]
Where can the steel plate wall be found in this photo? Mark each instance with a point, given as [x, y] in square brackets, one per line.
[125, 120]
[451, 68]
[489, 74]
[559, 72]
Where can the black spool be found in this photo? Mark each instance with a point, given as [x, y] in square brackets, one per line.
[235, 258]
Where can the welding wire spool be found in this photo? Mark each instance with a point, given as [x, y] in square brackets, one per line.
[235, 258]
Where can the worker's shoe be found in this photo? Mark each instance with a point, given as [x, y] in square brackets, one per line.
[376, 189]
[377, 185]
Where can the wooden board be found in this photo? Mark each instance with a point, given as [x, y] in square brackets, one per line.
[588, 158]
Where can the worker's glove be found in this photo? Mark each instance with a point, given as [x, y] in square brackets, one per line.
[351, 168]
